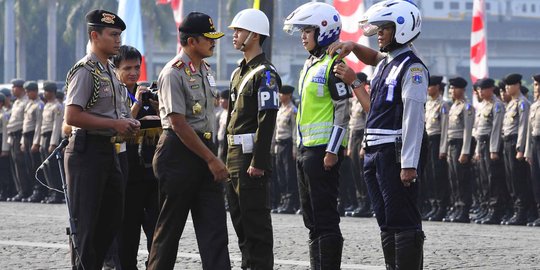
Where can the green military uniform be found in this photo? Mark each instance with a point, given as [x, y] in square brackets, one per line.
[254, 106]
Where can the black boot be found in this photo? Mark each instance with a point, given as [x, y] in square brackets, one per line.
[388, 241]
[314, 255]
[440, 214]
[330, 247]
[519, 218]
[434, 208]
[287, 206]
[463, 216]
[410, 250]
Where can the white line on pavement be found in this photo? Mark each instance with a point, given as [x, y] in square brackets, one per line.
[186, 255]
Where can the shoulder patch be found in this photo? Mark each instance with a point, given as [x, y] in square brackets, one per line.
[268, 95]
[522, 106]
[417, 74]
[497, 107]
[179, 64]
[416, 69]
[444, 110]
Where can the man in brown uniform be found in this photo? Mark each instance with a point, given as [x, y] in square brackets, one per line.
[94, 109]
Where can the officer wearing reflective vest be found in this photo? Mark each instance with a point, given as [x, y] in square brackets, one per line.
[250, 127]
[322, 119]
[394, 127]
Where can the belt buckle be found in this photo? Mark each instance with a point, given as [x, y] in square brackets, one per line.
[207, 135]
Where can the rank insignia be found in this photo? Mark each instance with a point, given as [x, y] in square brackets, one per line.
[187, 71]
[197, 108]
[195, 86]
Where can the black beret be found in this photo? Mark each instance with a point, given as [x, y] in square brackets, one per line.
[2, 97]
[60, 94]
[199, 23]
[457, 82]
[286, 89]
[6, 92]
[17, 82]
[103, 18]
[524, 90]
[435, 80]
[486, 83]
[225, 94]
[502, 85]
[512, 78]
[361, 76]
[536, 77]
[31, 86]
[49, 86]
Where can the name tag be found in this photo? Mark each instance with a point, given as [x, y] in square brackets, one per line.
[211, 80]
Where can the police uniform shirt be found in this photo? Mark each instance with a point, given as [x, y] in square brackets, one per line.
[286, 122]
[460, 126]
[533, 129]
[109, 101]
[516, 120]
[4, 119]
[52, 121]
[17, 115]
[33, 113]
[358, 115]
[253, 110]
[187, 91]
[490, 118]
[436, 115]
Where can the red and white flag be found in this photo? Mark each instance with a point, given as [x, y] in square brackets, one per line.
[133, 36]
[351, 11]
[479, 67]
[177, 8]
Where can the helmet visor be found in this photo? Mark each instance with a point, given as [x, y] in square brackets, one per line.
[370, 29]
[291, 28]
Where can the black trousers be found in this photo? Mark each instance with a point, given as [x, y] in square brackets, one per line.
[249, 207]
[357, 164]
[7, 188]
[535, 169]
[141, 209]
[461, 175]
[51, 170]
[33, 160]
[492, 175]
[436, 173]
[94, 181]
[19, 169]
[347, 187]
[319, 191]
[286, 170]
[517, 176]
[186, 185]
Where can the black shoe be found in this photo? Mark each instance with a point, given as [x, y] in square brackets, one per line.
[36, 196]
[434, 209]
[54, 200]
[451, 214]
[463, 216]
[494, 218]
[365, 211]
[439, 215]
[300, 211]
[16, 198]
[536, 223]
[518, 219]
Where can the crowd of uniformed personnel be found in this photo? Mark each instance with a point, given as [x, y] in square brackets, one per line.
[479, 160]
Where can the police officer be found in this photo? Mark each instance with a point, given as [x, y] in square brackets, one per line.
[456, 147]
[14, 129]
[254, 105]
[285, 149]
[514, 136]
[94, 110]
[323, 117]
[532, 147]
[488, 151]
[6, 181]
[436, 183]
[394, 128]
[188, 172]
[51, 129]
[33, 112]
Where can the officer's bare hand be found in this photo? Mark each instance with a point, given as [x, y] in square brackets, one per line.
[23, 148]
[494, 156]
[4, 154]
[442, 156]
[408, 176]
[218, 169]
[341, 48]
[529, 160]
[362, 152]
[520, 156]
[477, 157]
[345, 73]
[330, 159]
[254, 172]
[463, 158]
[127, 126]
[52, 147]
[140, 91]
[35, 148]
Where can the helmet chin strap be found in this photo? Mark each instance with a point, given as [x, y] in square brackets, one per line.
[391, 46]
[246, 41]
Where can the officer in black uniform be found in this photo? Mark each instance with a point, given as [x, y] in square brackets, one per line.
[188, 172]
[94, 109]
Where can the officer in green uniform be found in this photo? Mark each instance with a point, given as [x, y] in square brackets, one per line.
[51, 130]
[253, 106]
[188, 172]
[94, 109]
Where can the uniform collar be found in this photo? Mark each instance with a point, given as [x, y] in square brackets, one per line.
[184, 57]
[93, 57]
[395, 53]
[253, 62]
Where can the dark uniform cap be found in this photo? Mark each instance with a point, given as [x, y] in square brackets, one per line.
[199, 23]
[49, 86]
[486, 83]
[6, 92]
[524, 90]
[286, 89]
[2, 97]
[361, 76]
[536, 77]
[104, 18]
[31, 86]
[17, 82]
[502, 85]
[435, 80]
[60, 94]
[224, 94]
[457, 82]
[512, 79]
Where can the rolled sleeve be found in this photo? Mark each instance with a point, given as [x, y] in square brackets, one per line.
[79, 88]
[171, 92]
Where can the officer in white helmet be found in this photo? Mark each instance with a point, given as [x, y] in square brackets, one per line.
[322, 119]
[253, 104]
[394, 127]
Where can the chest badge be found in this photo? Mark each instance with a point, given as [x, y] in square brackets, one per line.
[197, 108]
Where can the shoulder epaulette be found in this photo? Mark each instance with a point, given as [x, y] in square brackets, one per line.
[206, 65]
[92, 67]
[179, 64]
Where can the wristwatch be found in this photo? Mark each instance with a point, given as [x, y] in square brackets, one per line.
[356, 83]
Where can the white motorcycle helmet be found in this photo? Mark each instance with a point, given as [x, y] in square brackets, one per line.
[320, 15]
[252, 20]
[404, 14]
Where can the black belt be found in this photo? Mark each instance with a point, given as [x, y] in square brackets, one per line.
[45, 134]
[206, 136]
[99, 138]
[455, 141]
[510, 137]
[15, 133]
[284, 141]
[483, 138]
